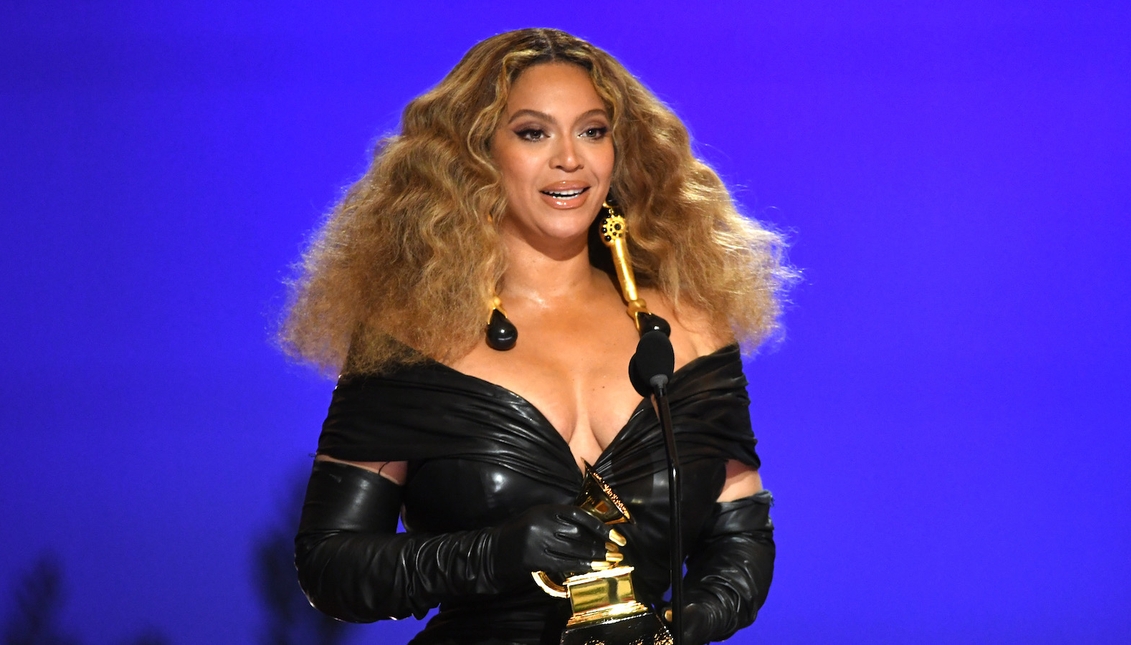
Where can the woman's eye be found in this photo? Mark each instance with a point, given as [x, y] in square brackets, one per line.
[595, 133]
[531, 134]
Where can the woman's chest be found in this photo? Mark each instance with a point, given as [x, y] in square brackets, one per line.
[582, 390]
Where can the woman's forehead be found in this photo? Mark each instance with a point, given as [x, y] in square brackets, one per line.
[554, 87]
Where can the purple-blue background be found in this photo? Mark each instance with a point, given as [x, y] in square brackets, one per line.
[945, 426]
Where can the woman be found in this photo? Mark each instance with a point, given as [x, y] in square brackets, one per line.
[489, 197]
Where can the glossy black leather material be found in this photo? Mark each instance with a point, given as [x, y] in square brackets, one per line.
[550, 537]
[353, 565]
[480, 455]
[730, 570]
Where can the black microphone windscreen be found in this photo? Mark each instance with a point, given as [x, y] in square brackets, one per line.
[654, 355]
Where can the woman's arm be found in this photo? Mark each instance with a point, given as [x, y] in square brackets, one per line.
[742, 481]
[731, 565]
[394, 471]
[353, 565]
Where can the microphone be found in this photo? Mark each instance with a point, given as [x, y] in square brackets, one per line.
[650, 370]
[652, 365]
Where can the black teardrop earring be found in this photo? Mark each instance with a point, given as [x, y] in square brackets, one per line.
[501, 332]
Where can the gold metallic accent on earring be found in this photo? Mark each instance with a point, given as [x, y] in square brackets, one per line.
[496, 303]
[501, 333]
[614, 233]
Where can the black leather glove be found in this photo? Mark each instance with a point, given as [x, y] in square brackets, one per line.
[553, 538]
[354, 566]
[729, 571]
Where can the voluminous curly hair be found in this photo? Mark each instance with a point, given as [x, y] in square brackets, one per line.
[407, 262]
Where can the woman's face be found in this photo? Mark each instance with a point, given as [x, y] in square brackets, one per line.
[554, 152]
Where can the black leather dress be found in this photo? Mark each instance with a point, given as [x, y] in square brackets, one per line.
[479, 454]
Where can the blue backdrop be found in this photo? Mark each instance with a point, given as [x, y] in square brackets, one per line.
[945, 425]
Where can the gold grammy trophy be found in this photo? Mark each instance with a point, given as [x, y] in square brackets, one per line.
[605, 609]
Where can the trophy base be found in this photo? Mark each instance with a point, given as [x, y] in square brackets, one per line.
[642, 628]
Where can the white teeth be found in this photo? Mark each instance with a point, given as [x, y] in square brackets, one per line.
[565, 194]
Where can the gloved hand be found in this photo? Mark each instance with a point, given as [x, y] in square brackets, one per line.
[552, 538]
[696, 625]
[730, 570]
[353, 565]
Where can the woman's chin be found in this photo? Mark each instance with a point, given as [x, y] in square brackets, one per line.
[568, 231]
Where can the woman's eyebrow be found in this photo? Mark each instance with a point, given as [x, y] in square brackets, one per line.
[533, 113]
[546, 117]
[593, 112]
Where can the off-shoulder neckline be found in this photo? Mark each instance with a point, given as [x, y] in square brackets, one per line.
[541, 421]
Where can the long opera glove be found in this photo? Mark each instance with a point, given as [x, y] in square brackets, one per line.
[354, 566]
[730, 570]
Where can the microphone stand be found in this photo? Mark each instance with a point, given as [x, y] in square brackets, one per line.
[659, 385]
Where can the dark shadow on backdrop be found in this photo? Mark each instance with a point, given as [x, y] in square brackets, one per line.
[290, 618]
[38, 601]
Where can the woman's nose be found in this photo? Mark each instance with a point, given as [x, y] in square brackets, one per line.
[566, 155]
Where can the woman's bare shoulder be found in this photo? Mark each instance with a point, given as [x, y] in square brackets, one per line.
[692, 329]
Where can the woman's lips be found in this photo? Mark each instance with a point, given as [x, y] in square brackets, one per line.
[565, 197]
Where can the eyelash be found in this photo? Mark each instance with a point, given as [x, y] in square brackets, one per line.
[531, 134]
[537, 134]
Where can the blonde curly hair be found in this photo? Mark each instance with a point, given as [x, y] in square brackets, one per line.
[407, 262]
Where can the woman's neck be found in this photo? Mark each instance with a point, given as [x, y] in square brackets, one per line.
[544, 277]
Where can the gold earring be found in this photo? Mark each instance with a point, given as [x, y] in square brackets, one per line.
[614, 233]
